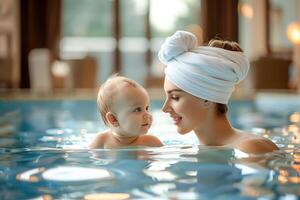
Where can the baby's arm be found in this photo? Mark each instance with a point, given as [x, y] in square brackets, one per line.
[99, 141]
[151, 140]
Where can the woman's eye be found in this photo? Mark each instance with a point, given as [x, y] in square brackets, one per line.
[176, 98]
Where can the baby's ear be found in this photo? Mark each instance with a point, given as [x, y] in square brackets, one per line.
[112, 119]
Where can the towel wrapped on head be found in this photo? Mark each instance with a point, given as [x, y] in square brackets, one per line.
[208, 73]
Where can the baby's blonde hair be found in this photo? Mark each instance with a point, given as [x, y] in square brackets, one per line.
[108, 91]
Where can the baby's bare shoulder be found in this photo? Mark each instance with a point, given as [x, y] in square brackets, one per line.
[99, 140]
[150, 140]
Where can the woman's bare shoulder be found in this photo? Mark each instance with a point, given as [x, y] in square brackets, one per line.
[251, 143]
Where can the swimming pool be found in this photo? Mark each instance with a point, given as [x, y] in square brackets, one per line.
[43, 155]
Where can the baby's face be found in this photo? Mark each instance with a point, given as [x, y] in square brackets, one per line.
[131, 108]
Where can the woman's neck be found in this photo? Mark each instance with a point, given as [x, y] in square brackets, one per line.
[216, 131]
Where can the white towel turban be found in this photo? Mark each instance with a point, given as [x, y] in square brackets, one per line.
[209, 73]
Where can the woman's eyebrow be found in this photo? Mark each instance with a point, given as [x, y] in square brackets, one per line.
[174, 90]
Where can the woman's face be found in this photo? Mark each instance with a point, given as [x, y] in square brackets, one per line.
[188, 112]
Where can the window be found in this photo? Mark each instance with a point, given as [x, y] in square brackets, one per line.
[281, 14]
[88, 29]
[89, 18]
[245, 11]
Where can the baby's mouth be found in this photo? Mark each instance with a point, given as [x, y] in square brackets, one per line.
[146, 124]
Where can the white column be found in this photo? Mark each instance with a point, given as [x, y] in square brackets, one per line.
[296, 65]
[258, 28]
[296, 55]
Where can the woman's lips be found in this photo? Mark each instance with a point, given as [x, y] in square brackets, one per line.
[177, 120]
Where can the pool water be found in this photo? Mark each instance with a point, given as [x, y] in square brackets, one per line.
[43, 155]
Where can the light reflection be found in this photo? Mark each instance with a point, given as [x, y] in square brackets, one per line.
[293, 128]
[47, 197]
[246, 10]
[60, 69]
[184, 195]
[28, 175]
[284, 179]
[162, 17]
[293, 32]
[293, 133]
[188, 180]
[295, 139]
[65, 173]
[44, 197]
[295, 117]
[106, 196]
[240, 154]
[296, 167]
[256, 191]
[259, 130]
[83, 131]
[58, 131]
[191, 173]
[290, 174]
[162, 188]
[296, 158]
[160, 175]
[160, 165]
[51, 139]
[245, 169]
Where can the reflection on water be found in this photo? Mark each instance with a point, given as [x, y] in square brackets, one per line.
[43, 155]
[108, 196]
[71, 173]
[186, 172]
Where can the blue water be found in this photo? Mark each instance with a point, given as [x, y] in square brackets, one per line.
[43, 155]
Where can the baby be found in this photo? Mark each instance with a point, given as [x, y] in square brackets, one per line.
[124, 107]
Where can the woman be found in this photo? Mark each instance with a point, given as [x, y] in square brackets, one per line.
[199, 81]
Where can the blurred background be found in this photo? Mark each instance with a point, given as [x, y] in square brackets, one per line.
[65, 46]
[54, 54]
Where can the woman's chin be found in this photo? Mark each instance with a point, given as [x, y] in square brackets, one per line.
[182, 131]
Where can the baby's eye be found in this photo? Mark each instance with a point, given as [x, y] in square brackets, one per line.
[139, 109]
[174, 97]
[147, 108]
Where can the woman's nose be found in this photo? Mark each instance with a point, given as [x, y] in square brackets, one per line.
[165, 107]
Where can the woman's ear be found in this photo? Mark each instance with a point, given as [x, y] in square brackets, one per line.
[207, 103]
[111, 119]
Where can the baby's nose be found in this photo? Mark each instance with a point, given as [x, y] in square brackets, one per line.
[146, 116]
